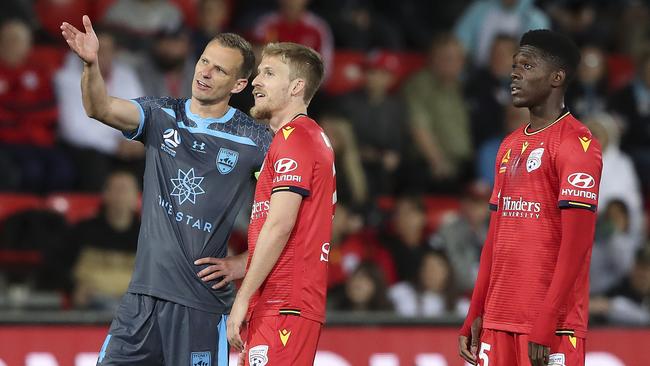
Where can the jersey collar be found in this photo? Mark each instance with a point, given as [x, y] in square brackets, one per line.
[565, 112]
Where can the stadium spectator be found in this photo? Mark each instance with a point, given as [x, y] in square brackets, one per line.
[168, 68]
[292, 22]
[214, 16]
[462, 237]
[487, 152]
[96, 148]
[351, 183]
[579, 20]
[629, 302]
[378, 120]
[406, 238]
[633, 104]
[488, 91]
[614, 246]
[28, 116]
[588, 94]
[364, 291]
[439, 117]
[353, 244]
[620, 180]
[484, 20]
[357, 25]
[434, 293]
[101, 251]
[138, 20]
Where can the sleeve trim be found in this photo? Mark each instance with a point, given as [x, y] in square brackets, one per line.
[493, 207]
[301, 191]
[574, 204]
[130, 134]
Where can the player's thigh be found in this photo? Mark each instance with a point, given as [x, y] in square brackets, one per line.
[133, 337]
[567, 351]
[282, 340]
[192, 337]
[497, 348]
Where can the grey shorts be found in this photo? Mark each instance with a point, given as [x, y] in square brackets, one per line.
[150, 331]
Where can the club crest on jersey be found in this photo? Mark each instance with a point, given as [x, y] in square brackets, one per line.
[200, 359]
[258, 355]
[226, 160]
[534, 159]
[556, 359]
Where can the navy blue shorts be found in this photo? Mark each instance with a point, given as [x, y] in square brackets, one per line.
[150, 331]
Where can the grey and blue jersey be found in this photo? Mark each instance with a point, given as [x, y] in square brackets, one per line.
[198, 174]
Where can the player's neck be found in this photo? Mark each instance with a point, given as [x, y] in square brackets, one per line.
[285, 116]
[214, 110]
[544, 114]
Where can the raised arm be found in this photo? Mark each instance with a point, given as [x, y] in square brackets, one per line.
[115, 112]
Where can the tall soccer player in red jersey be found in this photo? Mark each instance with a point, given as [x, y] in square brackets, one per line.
[283, 292]
[530, 302]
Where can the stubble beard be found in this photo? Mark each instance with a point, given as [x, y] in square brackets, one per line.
[260, 113]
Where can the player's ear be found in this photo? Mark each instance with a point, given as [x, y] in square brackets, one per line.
[297, 86]
[558, 78]
[239, 86]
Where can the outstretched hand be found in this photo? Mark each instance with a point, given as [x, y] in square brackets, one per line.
[85, 45]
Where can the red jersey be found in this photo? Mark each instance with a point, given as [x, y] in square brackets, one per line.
[538, 174]
[28, 111]
[300, 160]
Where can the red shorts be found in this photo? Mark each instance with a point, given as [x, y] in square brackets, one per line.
[281, 340]
[499, 348]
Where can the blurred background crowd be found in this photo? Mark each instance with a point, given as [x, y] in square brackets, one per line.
[416, 102]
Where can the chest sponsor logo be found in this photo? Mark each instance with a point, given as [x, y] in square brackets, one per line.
[187, 186]
[171, 140]
[258, 355]
[200, 359]
[534, 159]
[581, 180]
[198, 146]
[285, 165]
[260, 209]
[226, 160]
[519, 207]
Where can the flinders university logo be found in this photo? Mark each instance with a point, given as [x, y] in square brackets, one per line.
[226, 160]
[200, 359]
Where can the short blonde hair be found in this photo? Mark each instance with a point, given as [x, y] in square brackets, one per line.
[303, 63]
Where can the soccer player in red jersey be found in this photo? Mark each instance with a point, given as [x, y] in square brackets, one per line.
[283, 293]
[530, 301]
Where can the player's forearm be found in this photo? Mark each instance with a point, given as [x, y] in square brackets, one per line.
[483, 279]
[93, 92]
[578, 227]
[270, 244]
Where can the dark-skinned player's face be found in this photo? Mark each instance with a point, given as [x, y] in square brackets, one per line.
[533, 78]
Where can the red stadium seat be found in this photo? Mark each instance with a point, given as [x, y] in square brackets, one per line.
[75, 206]
[11, 203]
[410, 62]
[439, 207]
[346, 74]
[51, 13]
[620, 71]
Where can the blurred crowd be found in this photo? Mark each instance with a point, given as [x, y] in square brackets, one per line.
[416, 101]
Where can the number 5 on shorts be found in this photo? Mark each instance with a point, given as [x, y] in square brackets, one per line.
[482, 354]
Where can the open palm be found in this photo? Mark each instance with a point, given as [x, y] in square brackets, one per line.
[85, 45]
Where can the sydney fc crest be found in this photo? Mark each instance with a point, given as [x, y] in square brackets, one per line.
[201, 359]
[226, 160]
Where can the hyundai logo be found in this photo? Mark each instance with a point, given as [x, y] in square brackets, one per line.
[582, 180]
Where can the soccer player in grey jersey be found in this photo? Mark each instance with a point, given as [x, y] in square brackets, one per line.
[201, 157]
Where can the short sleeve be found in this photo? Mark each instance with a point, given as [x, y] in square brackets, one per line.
[500, 167]
[144, 105]
[579, 166]
[293, 163]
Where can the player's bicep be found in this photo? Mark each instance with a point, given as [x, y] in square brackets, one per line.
[283, 210]
[124, 115]
[579, 165]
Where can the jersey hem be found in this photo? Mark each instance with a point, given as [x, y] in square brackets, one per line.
[208, 308]
[525, 329]
[276, 312]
